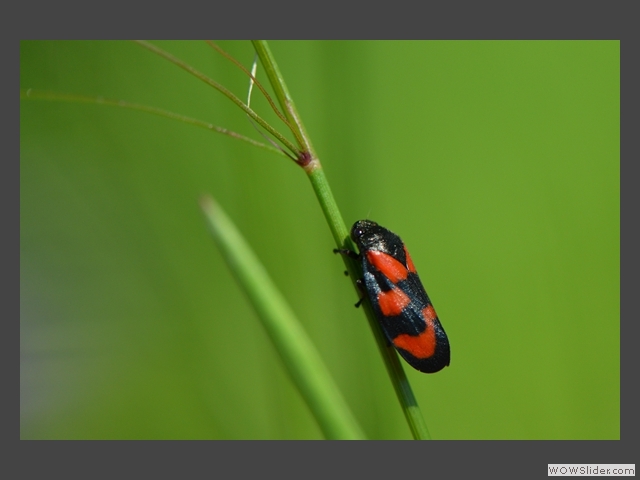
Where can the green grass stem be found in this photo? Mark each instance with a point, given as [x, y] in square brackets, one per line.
[340, 233]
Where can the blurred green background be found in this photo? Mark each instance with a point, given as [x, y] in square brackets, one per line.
[497, 162]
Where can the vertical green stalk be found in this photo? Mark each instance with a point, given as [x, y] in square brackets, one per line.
[309, 161]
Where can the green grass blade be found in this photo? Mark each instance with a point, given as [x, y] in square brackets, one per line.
[296, 350]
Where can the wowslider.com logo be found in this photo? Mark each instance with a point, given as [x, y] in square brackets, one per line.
[583, 470]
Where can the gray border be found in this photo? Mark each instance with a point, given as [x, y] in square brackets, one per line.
[451, 20]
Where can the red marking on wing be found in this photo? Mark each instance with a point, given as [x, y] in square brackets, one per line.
[389, 266]
[423, 345]
[410, 265]
[429, 314]
[393, 302]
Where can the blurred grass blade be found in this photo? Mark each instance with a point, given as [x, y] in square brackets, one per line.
[298, 354]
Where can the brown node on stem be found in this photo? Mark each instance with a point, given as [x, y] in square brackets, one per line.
[304, 158]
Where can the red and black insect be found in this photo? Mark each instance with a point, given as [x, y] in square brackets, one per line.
[398, 298]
